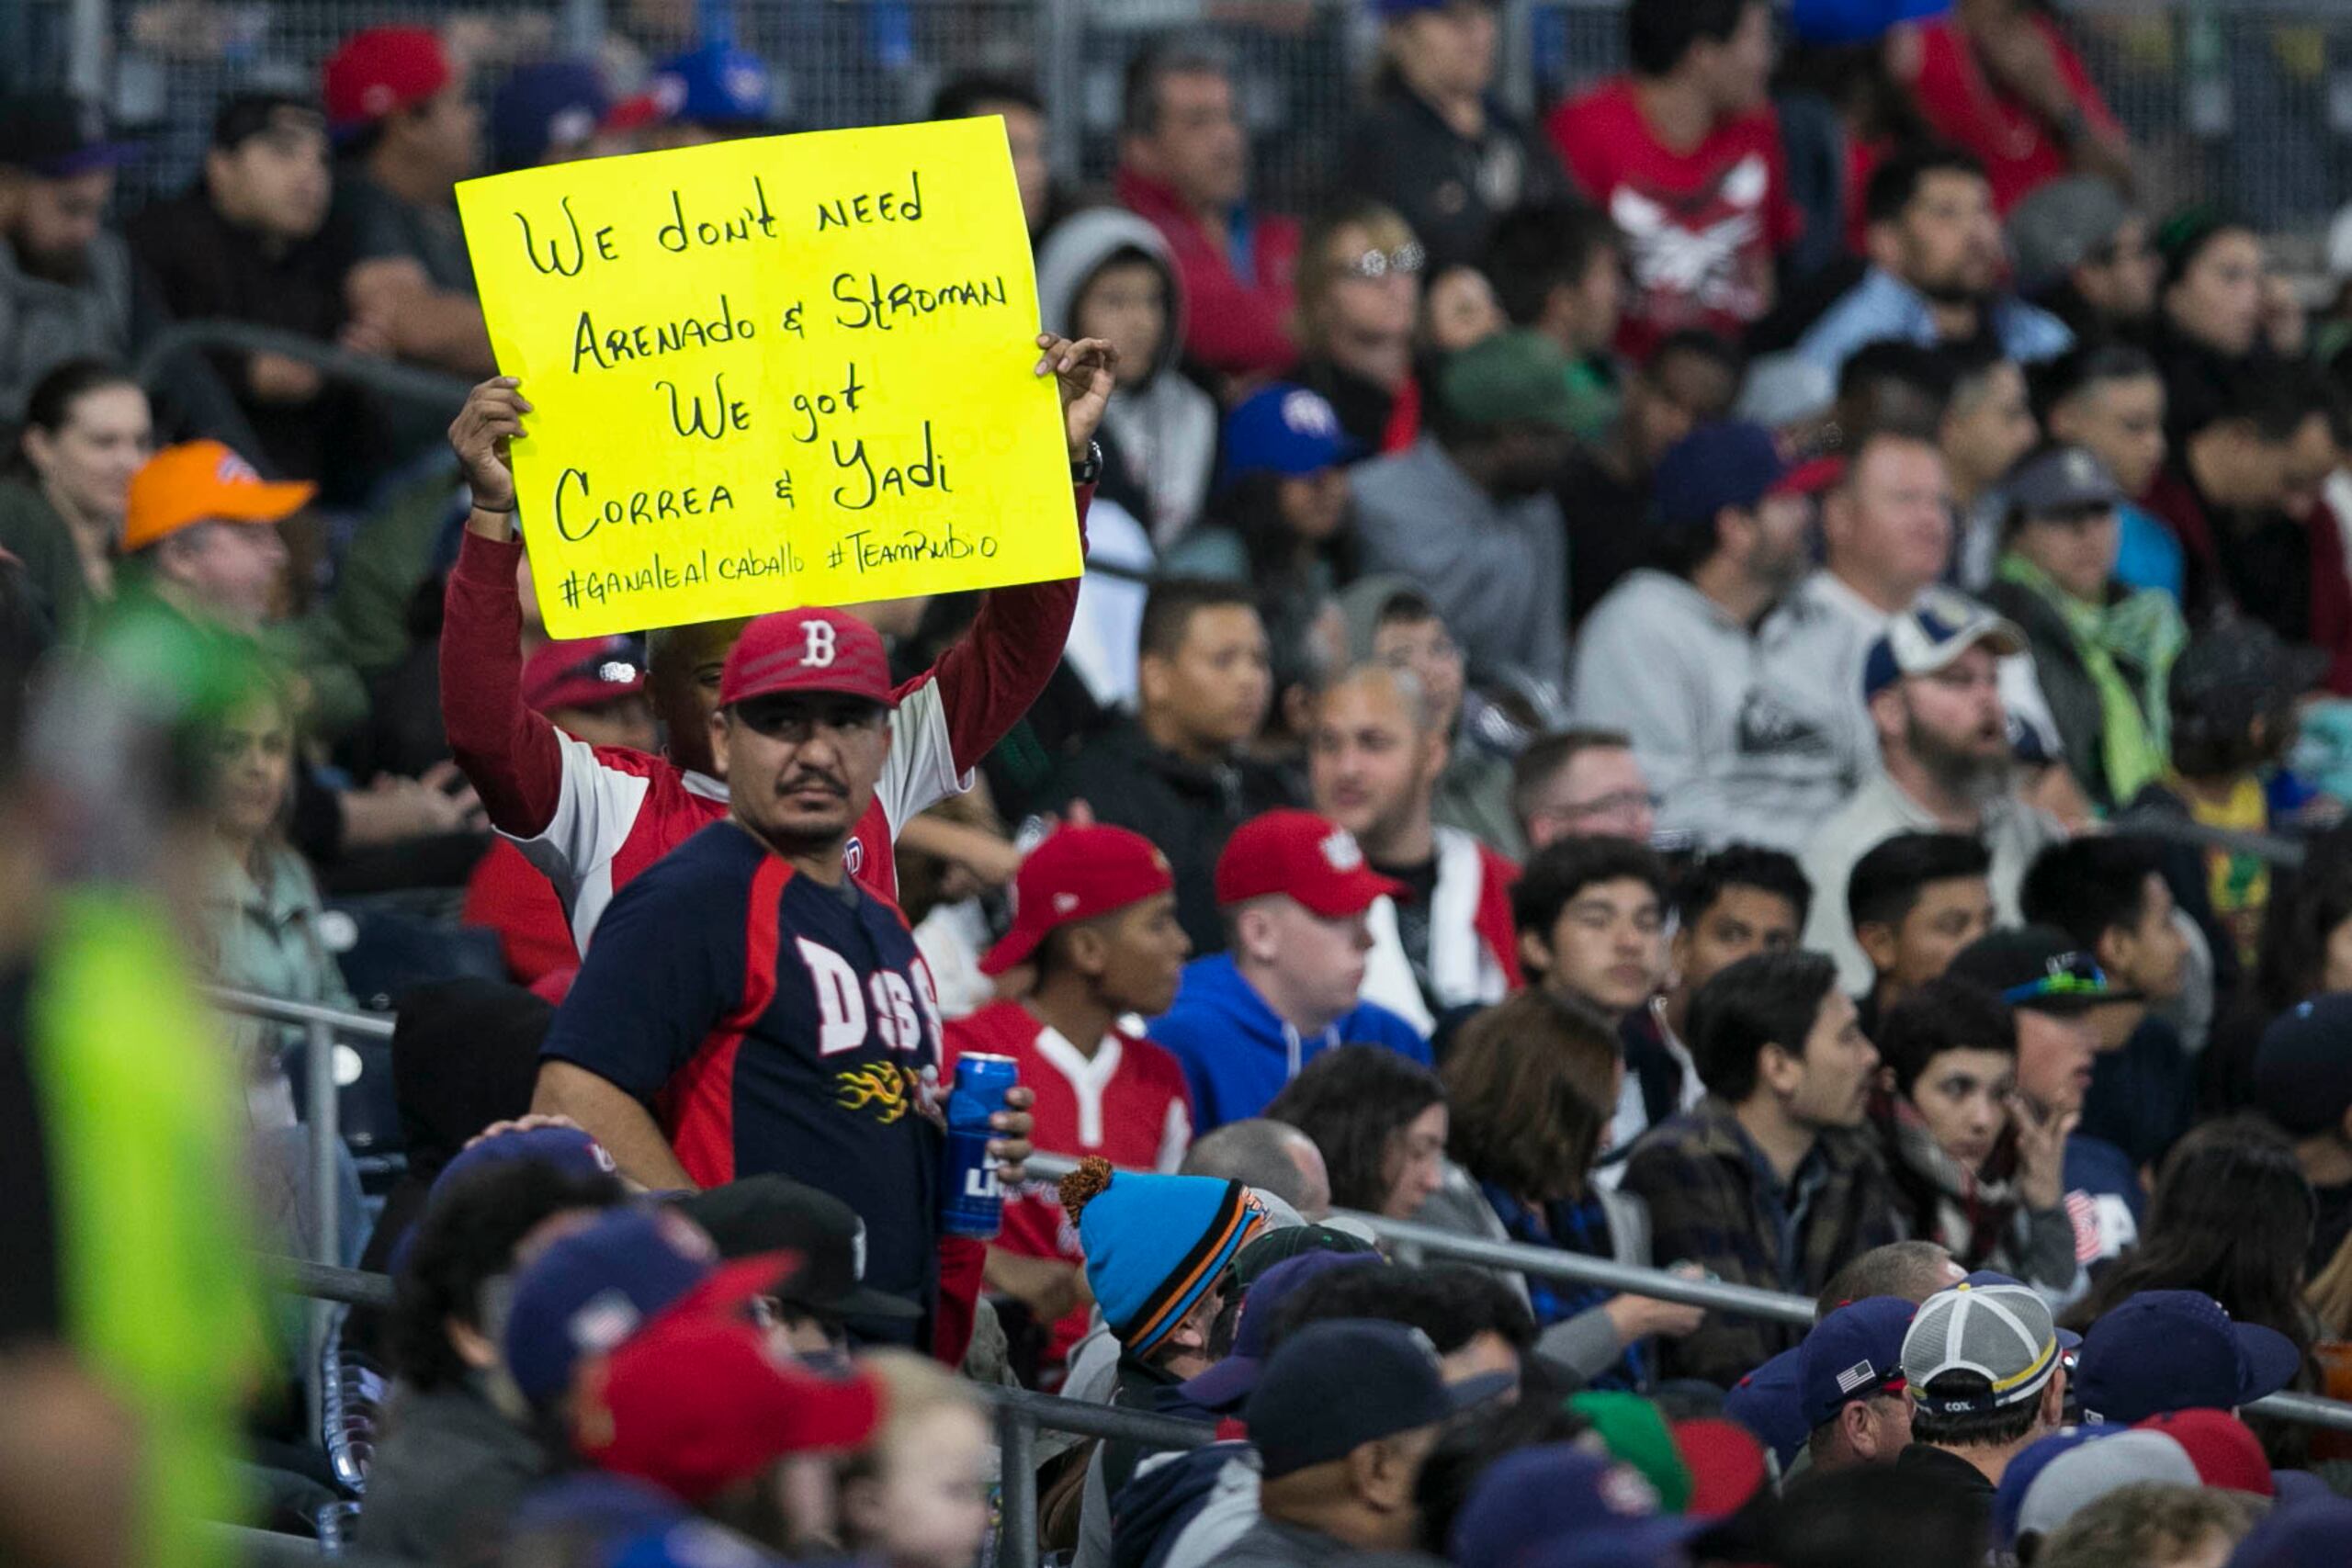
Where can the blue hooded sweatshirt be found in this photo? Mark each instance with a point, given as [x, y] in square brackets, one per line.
[1238, 1053]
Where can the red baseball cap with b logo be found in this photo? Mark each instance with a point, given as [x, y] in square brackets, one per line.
[1076, 874]
[806, 651]
[1311, 858]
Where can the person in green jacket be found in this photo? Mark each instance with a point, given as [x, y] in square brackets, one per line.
[87, 429]
[2102, 652]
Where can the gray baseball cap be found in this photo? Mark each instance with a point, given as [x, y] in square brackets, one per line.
[2084, 1475]
[2054, 228]
[2001, 1333]
[2060, 479]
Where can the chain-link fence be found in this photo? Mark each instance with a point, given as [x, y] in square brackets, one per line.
[2249, 101]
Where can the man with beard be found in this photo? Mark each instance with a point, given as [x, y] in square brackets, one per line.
[1933, 684]
[1937, 261]
[1446, 943]
[1886, 529]
[1691, 661]
[1500, 427]
[65, 278]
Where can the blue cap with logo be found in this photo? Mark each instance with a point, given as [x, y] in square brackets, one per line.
[1556, 1491]
[1853, 1353]
[591, 1289]
[2163, 1350]
[1285, 430]
[717, 85]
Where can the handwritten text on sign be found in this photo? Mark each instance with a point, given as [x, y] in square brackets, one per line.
[795, 371]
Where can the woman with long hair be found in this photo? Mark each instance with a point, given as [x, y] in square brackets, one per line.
[2231, 1218]
[1533, 1082]
[1379, 1120]
[66, 485]
[1361, 270]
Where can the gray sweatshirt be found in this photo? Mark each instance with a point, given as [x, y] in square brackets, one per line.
[1497, 571]
[1739, 743]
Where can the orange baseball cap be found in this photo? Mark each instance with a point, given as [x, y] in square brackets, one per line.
[202, 481]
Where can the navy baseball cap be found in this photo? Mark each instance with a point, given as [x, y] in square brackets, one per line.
[1729, 463]
[1336, 1385]
[548, 102]
[1769, 1403]
[2038, 967]
[1284, 430]
[55, 136]
[2060, 481]
[2164, 1350]
[591, 1289]
[1835, 22]
[1224, 1386]
[568, 1149]
[1556, 1491]
[2307, 1533]
[2302, 1071]
[1852, 1354]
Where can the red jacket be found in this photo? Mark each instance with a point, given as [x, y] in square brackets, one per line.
[1233, 324]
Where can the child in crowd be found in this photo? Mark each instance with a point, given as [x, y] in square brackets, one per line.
[918, 1495]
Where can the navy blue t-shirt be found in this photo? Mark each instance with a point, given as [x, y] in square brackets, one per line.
[773, 1024]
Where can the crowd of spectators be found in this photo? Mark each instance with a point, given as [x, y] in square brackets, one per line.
[1745, 682]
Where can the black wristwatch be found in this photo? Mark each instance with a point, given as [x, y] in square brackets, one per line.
[1091, 470]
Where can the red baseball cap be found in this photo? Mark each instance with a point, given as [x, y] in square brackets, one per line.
[1310, 857]
[1726, 1465]
[806, 651]
[381, 71]
[697, 1400]
[2223, 1449]
[1076, 874]
[585, 673]
[1814, 478]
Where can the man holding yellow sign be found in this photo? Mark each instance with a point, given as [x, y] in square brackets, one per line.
[750, 389]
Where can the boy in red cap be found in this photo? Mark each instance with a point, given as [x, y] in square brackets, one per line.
[400, 110]
[1295, 893]
[1095, 910]
[592, 690]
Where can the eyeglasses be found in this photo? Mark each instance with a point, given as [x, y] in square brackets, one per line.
[1405, 260]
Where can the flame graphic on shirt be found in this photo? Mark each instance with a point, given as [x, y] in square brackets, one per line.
[878, 1086]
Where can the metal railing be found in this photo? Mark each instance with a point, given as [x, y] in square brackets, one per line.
[1020, 1414]
[409, 383]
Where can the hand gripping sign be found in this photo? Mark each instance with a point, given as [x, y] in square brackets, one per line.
[794, 370]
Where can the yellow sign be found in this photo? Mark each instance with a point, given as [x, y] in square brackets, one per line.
[796, 370]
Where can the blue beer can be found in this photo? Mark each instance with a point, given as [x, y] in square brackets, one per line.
[971, 1201]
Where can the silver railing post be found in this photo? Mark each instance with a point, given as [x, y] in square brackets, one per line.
[1016, 1431]
[325, 1131]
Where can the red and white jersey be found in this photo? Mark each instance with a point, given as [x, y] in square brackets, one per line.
[1474, 947]
[618, 810]
[1128, 1102]
[590, 817]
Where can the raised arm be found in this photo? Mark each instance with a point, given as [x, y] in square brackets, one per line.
[989, 678]
[512, 756]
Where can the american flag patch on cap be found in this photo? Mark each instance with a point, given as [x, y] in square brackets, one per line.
[1856, 1376]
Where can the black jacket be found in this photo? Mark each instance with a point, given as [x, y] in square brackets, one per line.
[1448, 187]
[1187, 810]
